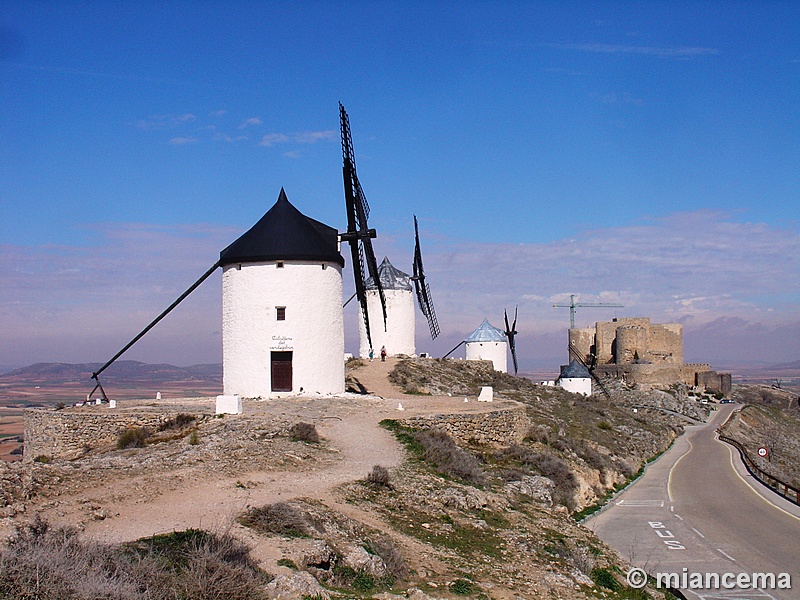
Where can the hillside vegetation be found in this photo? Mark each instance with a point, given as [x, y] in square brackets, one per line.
[450, 521]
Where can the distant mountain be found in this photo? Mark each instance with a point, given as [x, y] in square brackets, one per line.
[790, 366]
[123, 371]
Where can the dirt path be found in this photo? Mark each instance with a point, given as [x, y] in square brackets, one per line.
[214, 503]
[130, 500]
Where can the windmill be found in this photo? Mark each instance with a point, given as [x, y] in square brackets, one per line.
[590, 366]
[510, 333]
[358, 233]
[421, 286]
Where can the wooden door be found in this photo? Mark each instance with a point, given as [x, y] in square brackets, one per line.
[281, 371]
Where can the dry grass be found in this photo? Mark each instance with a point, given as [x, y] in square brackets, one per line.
[280, 518]
[52, 563]
[304, 432]
[442, 451]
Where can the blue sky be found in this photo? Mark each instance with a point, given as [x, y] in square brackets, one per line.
[641, 153]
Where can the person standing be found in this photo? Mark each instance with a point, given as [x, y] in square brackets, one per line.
[371, 354]
[383, 353]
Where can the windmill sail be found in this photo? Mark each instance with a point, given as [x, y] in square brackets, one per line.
[511, 332]
[422, 288]
[358, 233]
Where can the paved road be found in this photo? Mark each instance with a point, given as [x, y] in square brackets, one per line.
[696, 508]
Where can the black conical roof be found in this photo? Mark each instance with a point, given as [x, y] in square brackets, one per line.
[284, 233]
[574, 370]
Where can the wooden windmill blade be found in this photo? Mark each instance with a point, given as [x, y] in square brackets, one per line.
[574, 354]
[422, 288]
[358, 233]
[511, 333]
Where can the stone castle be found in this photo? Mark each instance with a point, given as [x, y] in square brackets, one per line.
[643, 353]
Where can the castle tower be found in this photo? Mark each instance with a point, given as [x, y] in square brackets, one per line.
[398, 337]
[488, 342]
[282, 324]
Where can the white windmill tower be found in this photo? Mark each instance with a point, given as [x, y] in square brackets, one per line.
[488, 342]
[282, 323]
[398, 335]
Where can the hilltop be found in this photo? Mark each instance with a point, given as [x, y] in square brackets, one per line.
[435, 520]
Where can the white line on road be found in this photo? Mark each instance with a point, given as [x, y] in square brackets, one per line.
[677, 516]
[669, 479]
[748, 484]
[698, 533]
[726, 555]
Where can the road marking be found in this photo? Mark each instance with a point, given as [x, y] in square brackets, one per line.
[677, 516]
[697, 532]
[748, 484]
[653, 503]
[726, 555]
[669, 479]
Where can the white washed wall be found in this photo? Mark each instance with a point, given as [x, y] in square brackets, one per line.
[577, 385]
[493, 351]
[399, 334]
[313, 329]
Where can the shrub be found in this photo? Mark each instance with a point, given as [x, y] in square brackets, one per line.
[43, 458]
[53, 563]
[379, 477]
[280, 518]
[194, 438]
[133, 437]
[462, 587]
[304, 432]
[442, 451]
[604, 578]
[178, 422]
[385, 548]
[551, 467]
[605, 426]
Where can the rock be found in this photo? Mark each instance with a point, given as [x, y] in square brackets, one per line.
[538, 488]
[360, 560]
[296, 586]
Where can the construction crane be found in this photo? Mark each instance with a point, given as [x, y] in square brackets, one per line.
[573, 305]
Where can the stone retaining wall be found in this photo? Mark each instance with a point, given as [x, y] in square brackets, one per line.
[71, 432]
[499, 428]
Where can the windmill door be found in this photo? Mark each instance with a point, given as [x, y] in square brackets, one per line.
[281, 371]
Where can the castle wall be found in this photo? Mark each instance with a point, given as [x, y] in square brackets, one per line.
[582, 342]
[71, 432]
[632, 344]
[655, 374]
[666, 343]
[398, 336]
[313, 328]
[606, 336]
[714, 382]
[498, 428]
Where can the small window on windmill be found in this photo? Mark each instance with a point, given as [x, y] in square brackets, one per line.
[324, 266]
[279, 264]
[280, 313]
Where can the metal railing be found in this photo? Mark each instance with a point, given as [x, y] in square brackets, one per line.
[780, 487]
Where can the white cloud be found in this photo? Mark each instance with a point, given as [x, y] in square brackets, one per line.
[665, 52]
[735, 286]
[182, 140]
[273, 138]
[253, 121]
[303, 137]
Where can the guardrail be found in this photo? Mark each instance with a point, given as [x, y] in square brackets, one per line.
[783, 489]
